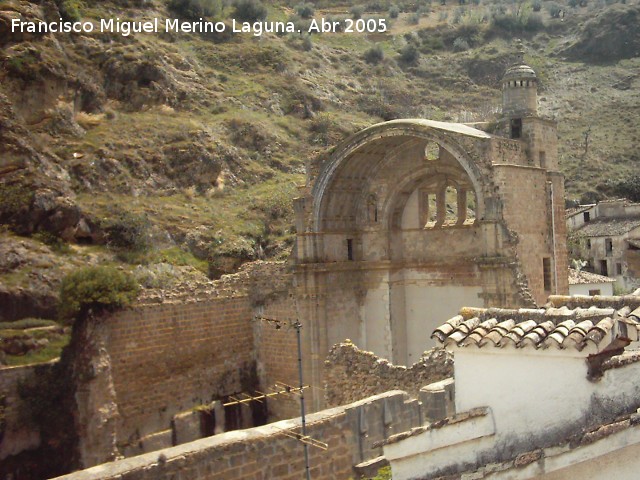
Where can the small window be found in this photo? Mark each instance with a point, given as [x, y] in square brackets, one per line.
[516, 128]
[546, 274]
[604, 269]
[608, 246]
[543, 159]
[586, 216]
[618, 269]
[594, 292]
[588, 244]
[349, 249]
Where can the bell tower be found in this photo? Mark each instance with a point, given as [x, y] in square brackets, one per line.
[519, 89]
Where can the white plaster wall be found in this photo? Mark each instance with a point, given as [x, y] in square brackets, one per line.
[533, 392]
[622, 464]
[375, 328]
[427, 307]
[606, 288]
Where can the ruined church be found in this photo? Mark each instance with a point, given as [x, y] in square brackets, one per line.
[401, 226]
[409, 220]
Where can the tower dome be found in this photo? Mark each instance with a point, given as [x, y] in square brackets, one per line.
[519, 88]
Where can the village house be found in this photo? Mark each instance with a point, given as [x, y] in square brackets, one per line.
[544, 394]
[607, 237]
[582, 282]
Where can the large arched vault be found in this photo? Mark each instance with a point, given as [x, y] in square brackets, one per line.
[407, 221]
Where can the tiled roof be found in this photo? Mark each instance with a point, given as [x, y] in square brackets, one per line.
[609, 226]
[565, 322]
[577, 277]
[570, 212]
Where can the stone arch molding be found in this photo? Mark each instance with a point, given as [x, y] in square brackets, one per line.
[427, 130]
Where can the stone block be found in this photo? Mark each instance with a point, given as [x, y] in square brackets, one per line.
[186, 427]
[157, 441]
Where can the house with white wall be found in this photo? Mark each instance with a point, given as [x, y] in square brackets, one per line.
[607, 236]
[582, 282]
[549, 393]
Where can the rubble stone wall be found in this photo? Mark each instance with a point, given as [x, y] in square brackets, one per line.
[16, 434]
[352, 374]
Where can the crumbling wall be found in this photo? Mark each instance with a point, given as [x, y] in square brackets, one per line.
[148, 367]
[353, 374]
[16, 434]
[169, 358]
[351, 434]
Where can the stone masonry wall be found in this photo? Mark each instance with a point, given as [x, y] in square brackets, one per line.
[265, 452]
[353, 374]
[16, 435]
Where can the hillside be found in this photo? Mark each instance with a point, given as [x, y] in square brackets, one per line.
[176, 156]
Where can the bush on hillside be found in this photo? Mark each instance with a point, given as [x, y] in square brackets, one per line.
[97, 289]
[305, 10]
[374, 55]
[194, 9]
[356, 11]
[250, 10]
[409, 54]
[69, 10]
[129, 231]
[628, 187]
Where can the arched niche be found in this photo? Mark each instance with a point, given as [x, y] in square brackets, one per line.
[342, 192]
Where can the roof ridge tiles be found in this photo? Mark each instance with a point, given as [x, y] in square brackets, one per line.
[564, 322]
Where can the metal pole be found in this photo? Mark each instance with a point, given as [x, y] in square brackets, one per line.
[298, 326]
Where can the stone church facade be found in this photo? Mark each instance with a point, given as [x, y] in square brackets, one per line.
[409, 220]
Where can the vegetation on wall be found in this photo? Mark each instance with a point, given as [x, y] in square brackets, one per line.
[95, 289]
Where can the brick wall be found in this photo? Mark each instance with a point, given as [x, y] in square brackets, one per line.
[277, 355]
[170, 358]
[350, 432]
[353, 374]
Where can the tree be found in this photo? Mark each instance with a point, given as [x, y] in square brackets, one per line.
[95, 288]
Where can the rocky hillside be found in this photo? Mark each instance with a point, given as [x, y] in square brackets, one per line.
[177, 155]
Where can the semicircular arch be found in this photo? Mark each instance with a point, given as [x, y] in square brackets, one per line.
[392, 134]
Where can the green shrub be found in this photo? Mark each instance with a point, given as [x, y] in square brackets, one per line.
[356, 11]
[54, 242]
[15, 199]
[536, 5]
[460, 45]
[128, 230]
[409, 54]
[374, 55]
[554, 9]
[628, 187]
[305, 10]
[194, 9]
[97, 289]
[413, 19]
[394, 11]
[69, 10]
[250, 10]
[307, 44]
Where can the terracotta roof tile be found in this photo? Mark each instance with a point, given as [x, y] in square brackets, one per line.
[591, 321]
[580, 277]
[609, 226]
